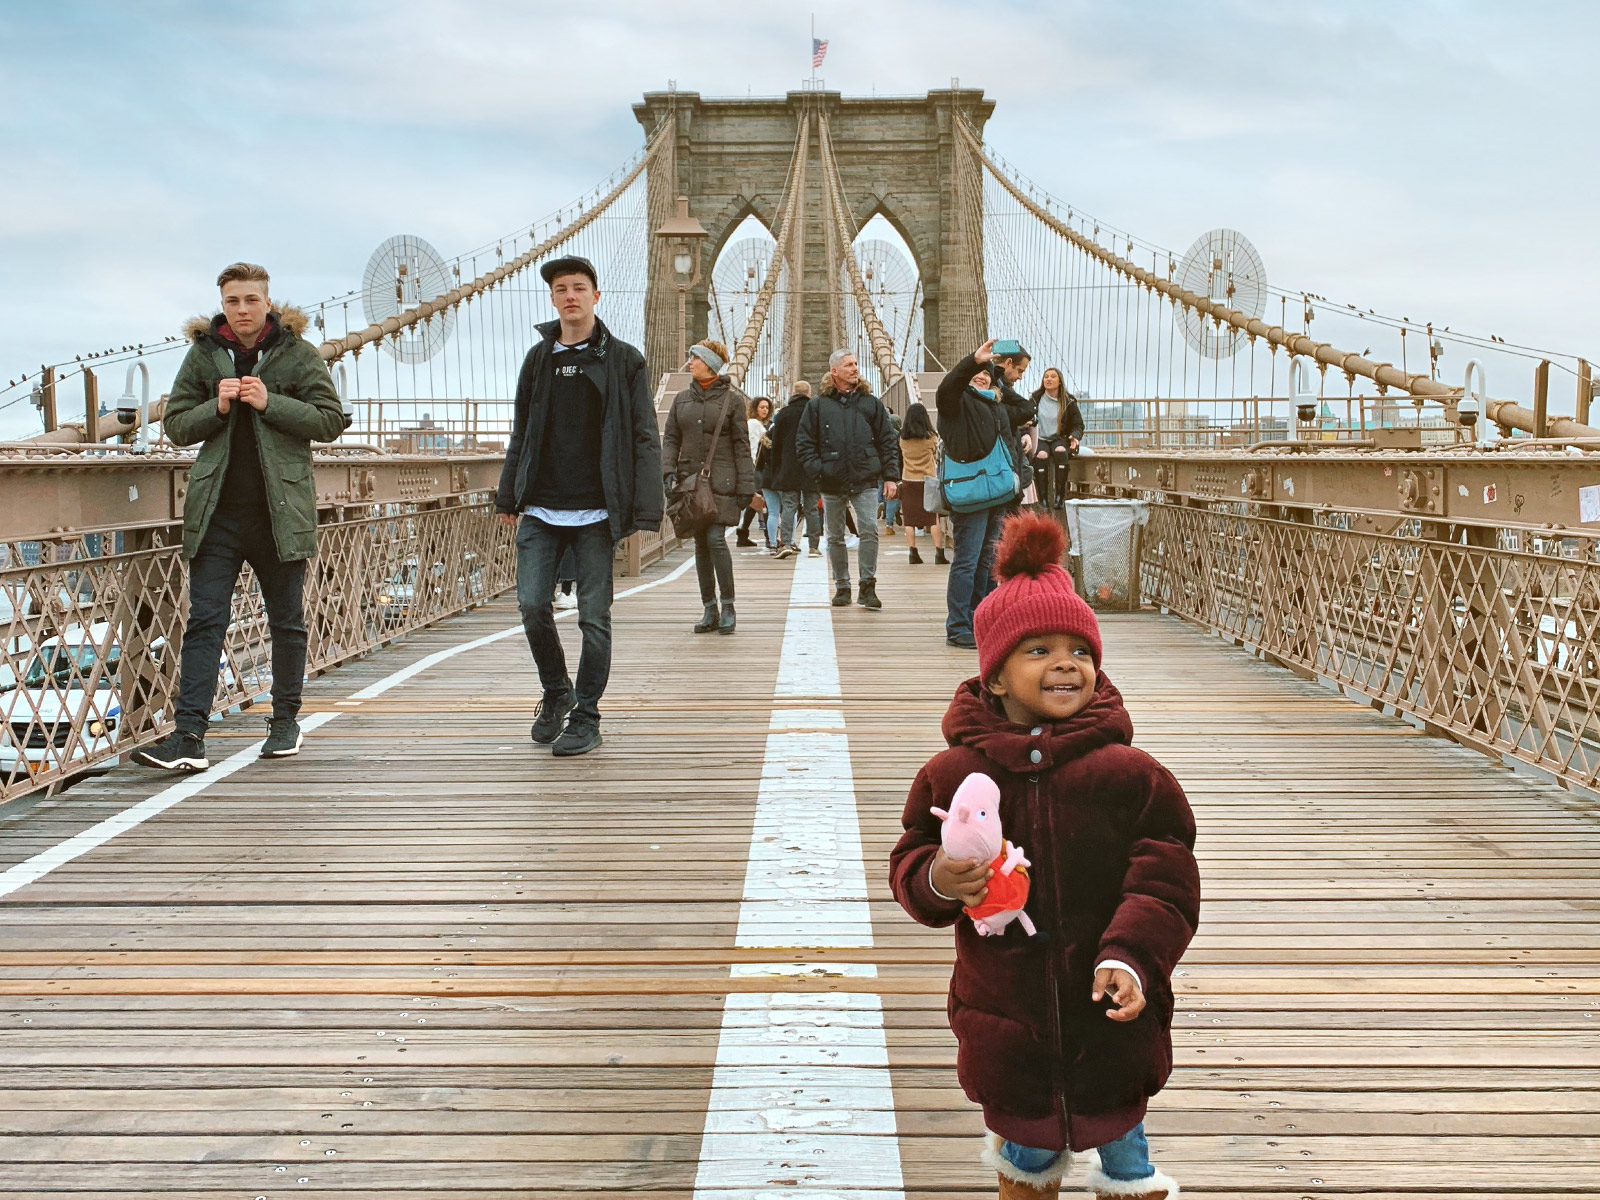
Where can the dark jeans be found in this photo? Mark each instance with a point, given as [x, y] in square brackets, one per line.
[233, 539]
[971, 566]
[539, 551]
[713, 563]
[1051, 459]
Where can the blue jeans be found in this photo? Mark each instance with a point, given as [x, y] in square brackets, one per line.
[971, 567]
[791, 506]
[865, 505]
[539, 551]
[1126, 1160]
[774, 503]
[891, 508]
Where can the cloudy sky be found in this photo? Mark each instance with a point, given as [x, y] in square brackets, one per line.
[1428, 158]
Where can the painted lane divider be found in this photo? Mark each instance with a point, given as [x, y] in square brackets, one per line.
[31, 870]
[801, 1099]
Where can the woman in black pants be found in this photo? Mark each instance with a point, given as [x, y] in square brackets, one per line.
[691, 441]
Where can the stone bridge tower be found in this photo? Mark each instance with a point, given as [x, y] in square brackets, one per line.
[898, 156]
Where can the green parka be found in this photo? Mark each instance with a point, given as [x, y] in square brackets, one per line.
[302, 407]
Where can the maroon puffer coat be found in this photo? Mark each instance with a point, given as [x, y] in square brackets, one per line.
[1111, 839]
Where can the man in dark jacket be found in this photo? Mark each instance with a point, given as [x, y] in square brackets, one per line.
[582, 472]
[256, 394]
[847, 448]
[789, 478]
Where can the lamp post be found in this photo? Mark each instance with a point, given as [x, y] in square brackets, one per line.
[685, 233]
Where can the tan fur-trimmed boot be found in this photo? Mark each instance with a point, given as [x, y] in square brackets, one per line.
[1016, 1184]
[1156, 1187]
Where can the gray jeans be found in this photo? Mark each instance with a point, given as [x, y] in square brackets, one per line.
[865, 504]
[790, 507]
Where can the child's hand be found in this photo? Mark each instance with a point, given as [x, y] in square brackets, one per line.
[964, 879]
[1122, 988]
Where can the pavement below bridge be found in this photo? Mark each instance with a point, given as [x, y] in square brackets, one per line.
[425, 959]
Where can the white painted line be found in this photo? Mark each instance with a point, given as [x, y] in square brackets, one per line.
[805, 970]
[801, 1100]
[32, 869]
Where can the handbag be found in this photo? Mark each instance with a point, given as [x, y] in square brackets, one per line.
[932, 498]
[987, 483]
[693, 506]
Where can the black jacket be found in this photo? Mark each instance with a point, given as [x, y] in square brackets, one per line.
[968, 423]
[784, 470]
[630, 448]
[847, 444]
[1071, 425]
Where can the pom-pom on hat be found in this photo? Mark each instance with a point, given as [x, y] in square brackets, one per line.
[1035, 595]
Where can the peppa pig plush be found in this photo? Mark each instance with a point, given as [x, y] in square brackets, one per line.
[972, 830]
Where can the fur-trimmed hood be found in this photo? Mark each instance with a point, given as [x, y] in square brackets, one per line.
[293, 321]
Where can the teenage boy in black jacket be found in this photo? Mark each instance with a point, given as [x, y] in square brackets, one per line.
[582, 472]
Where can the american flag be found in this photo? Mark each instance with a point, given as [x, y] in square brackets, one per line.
[819, 51]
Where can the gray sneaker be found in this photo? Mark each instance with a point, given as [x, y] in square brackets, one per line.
[176, 752]
[284, 738]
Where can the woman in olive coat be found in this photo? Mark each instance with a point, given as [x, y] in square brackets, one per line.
[686, 447]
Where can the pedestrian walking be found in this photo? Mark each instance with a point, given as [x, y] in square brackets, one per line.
[582, 472]
[1064, 1034]
[757, 419]
[848, 448]
[973, 418]
[919, 462]
[706, 431]
[1060, 429]
[796, 496]
[255, 394]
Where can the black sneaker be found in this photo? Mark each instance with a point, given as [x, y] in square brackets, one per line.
[581, 735]
[962, 641]
[869, 596]
[553, 710]
[841, 598]
[176, 752]
[284, 737]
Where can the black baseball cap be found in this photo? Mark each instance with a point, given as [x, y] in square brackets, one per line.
[570, 264]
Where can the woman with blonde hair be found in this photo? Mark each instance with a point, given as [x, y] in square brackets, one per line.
[706, 430]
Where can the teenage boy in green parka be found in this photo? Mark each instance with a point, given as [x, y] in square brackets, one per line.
[256, 395]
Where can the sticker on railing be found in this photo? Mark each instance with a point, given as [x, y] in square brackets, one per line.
[1589, 503]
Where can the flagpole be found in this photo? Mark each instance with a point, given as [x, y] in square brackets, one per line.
[813, 51]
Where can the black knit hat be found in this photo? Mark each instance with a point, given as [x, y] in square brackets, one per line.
[570, 264]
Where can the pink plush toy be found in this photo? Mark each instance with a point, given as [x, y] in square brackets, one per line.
[972, 830]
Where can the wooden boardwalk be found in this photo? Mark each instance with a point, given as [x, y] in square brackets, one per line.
[424, 960]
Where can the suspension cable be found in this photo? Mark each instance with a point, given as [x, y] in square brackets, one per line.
[833, 191]
[794, 185]
[337, 348]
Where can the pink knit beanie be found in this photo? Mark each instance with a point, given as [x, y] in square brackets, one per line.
[1035, 595]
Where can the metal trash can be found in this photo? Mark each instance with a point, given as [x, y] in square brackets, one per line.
[1105, 540]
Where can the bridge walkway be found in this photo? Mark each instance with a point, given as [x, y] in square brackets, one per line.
[424, 960]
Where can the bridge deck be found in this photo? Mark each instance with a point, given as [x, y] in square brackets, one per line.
[421, 960]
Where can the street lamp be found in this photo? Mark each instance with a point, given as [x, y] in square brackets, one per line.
[686, 234]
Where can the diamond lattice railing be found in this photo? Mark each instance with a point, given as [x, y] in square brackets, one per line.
[92, 624]
[1499, 647]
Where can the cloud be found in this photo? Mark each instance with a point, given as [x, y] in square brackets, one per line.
[1426, 158]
